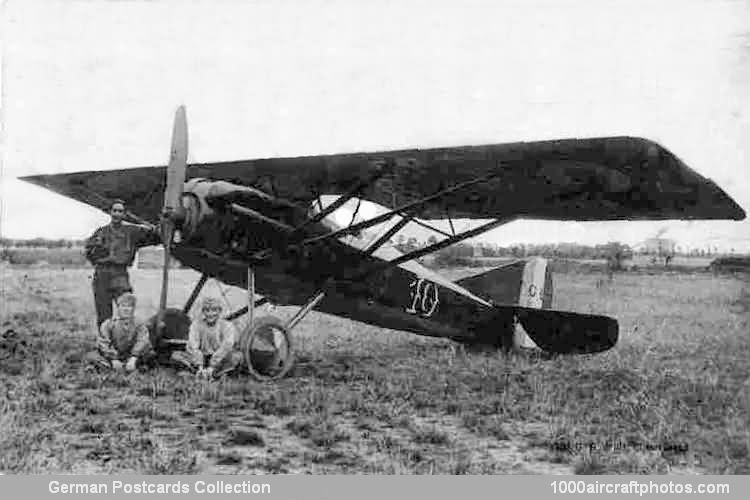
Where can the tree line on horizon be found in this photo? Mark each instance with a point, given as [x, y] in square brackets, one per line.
[41, 243]
[464, 250]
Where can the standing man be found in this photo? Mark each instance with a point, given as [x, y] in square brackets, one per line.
[111, 249]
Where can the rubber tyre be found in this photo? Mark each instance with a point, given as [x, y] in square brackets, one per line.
[262, 325]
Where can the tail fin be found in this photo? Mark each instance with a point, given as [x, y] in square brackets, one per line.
[526, 283]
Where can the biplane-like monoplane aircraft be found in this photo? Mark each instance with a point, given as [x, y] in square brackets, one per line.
[261, 225]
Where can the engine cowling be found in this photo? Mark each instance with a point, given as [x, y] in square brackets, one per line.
[205, 200]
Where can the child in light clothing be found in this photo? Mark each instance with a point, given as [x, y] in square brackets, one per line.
[210, 350]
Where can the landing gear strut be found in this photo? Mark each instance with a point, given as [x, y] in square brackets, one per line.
[266, 342]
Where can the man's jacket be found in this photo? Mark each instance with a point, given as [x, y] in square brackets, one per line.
[116, 245]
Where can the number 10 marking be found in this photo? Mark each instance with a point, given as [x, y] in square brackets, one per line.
[424, 297]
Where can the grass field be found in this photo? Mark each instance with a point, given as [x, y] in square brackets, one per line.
[673, 396]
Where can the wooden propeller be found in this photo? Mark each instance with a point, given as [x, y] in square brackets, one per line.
[172, 209]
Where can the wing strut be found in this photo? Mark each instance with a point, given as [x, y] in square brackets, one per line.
[340, 201]
[356, 211]
[388, 235]
[404, 208]
[450, 241]
[239, 312]
[305, 309]
[194, 294]
[434, 247]
[433, 228]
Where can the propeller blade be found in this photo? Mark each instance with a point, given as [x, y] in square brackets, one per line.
[175, 182]
[177, 161]
[167, 233]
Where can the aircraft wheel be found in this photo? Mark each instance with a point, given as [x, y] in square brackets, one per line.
[267, 348]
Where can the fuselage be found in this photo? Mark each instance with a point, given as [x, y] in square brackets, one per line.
[406, 297]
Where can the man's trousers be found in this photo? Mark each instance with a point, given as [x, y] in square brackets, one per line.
[109, 283]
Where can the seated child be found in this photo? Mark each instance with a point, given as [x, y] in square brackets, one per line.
[122, 341]
[210, 350]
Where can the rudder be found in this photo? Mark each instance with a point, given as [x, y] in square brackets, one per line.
[527, 283]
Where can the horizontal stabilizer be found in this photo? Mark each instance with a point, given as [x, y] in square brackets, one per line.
[565, 332]
[527, 283]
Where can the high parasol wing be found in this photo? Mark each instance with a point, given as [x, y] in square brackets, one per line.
[610, 178]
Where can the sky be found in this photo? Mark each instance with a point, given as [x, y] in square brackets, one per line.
[94, 85]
